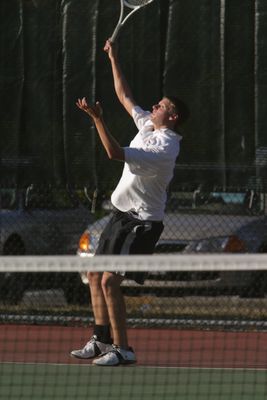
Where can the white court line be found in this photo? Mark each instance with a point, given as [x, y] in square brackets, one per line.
[137, 366]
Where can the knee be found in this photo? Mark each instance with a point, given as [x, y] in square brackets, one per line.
[110, 282]
[94, 278]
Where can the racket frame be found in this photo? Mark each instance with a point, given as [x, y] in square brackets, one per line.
[121, 22]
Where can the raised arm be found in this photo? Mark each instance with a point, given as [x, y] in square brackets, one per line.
[122, 88]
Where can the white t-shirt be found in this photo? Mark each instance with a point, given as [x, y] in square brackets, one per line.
[148, 169]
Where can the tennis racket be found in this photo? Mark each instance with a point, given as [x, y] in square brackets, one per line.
[133, 5]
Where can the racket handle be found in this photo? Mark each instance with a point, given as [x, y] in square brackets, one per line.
[115, 34]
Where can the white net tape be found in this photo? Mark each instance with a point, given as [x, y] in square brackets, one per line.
[209, 262]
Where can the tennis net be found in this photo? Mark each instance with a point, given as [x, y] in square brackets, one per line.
[198, 326]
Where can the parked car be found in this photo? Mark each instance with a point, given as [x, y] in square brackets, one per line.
[39, 221]
[195, 222]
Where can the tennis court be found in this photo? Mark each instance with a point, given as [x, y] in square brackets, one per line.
[187, 348]
[172, 364]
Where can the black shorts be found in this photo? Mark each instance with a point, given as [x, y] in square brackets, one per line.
[125, 234]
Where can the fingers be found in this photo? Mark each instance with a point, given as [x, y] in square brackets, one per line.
[107, 46]
[82, 103]
[110, 47]
[78, 103]
[94, 111]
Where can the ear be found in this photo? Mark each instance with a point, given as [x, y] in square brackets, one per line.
[174, 117]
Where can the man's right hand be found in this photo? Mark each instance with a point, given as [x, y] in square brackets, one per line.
[111, 49]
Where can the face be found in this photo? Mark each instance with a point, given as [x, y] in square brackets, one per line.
[163, 113]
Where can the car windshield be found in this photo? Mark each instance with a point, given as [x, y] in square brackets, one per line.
[236, 203]
[42, 198]
[49, 198]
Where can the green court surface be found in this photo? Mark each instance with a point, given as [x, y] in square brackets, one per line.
[58, 382]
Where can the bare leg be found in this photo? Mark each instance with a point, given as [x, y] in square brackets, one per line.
[97, 298]
[116, 307]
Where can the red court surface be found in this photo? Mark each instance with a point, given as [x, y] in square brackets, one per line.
[153, 347]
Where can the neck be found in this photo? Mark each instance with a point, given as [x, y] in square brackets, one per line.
[161, 126]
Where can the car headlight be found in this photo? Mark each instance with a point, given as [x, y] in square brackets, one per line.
[227, 244]
[87, 244]
[86, 248]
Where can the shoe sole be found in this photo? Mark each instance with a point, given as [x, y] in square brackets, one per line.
[124, 364]
[82, 358]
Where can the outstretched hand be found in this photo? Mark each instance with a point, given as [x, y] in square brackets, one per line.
[94, 112]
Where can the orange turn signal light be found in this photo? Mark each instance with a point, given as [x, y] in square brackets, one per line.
[84, 242]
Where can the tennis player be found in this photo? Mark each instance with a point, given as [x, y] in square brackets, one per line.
[139, 200]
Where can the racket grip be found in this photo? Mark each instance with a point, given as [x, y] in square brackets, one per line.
[115, 34]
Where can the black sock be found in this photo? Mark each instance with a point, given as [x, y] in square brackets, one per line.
[103, 333]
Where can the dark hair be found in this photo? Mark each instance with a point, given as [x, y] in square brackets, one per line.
[180, 107]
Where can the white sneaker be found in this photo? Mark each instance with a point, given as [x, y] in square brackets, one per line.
[92, 349]
[116, 356]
